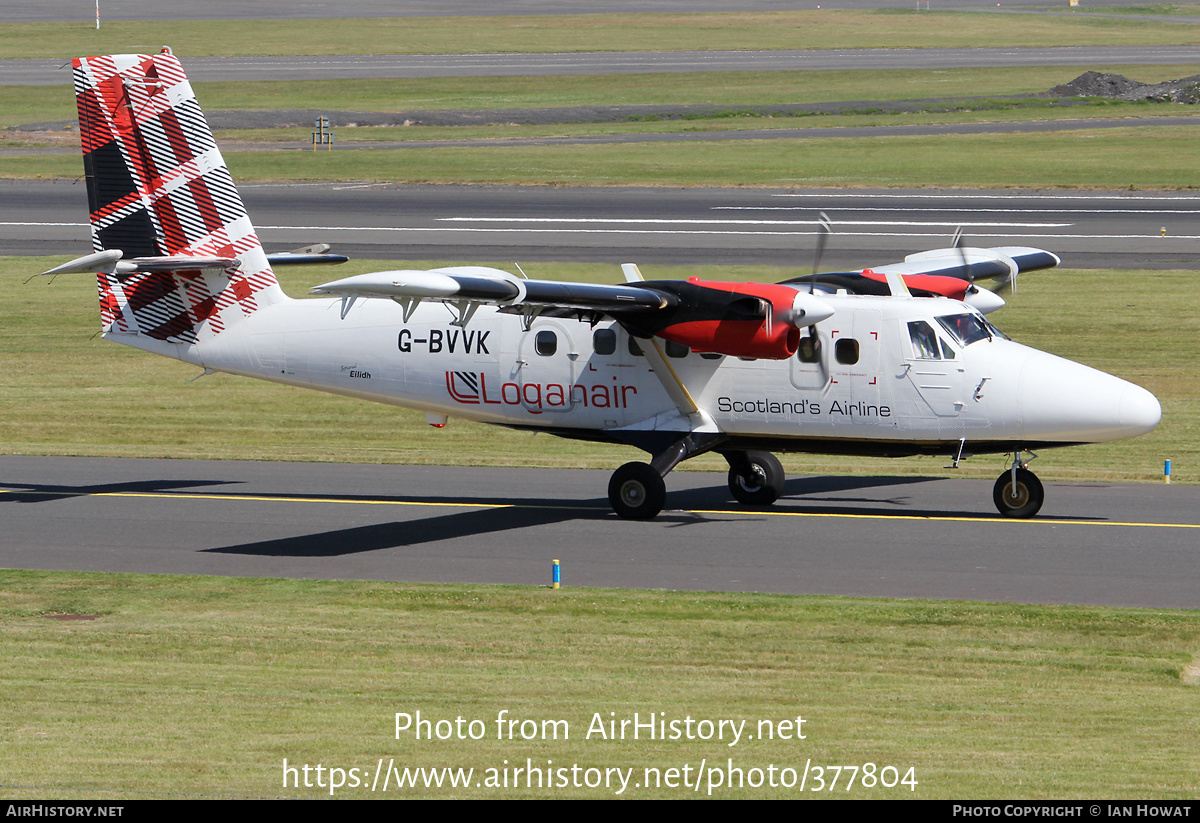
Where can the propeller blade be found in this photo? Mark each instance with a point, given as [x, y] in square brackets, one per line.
[822, 239]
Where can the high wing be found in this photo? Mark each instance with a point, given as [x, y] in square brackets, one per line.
[971, 264]
[736, 319]
[948, 272]
[761, 320]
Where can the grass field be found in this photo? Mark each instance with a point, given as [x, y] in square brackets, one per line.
[825, 29]
[191, 686]
[1143, 157]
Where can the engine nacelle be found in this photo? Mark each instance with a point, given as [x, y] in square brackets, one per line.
[760, 320]
[954, 287]
[736, 338]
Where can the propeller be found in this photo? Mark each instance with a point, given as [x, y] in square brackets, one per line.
[822, 239]
[958, 242]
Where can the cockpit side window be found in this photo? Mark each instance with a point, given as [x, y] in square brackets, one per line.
[924, 341]
[966, 328]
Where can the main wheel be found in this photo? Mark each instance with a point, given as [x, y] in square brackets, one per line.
[637, 492]
[1027, 498]
[758, 481]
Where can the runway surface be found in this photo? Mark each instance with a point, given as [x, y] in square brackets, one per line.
[660, 225]
[1094, 543]
[384, 66]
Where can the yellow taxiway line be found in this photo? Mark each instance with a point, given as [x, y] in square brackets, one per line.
[725, 512]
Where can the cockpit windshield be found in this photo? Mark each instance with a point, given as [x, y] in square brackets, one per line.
[968, 328]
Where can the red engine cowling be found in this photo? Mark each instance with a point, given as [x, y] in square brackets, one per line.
[937, 283]
[759, 322]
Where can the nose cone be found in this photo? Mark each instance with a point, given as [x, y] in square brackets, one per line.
[983, 300]
[1140, 411]
[808, 310]
[1068, 402]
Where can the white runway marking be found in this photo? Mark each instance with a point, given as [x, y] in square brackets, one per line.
[712, 222]
[912, 196]
[935, 229]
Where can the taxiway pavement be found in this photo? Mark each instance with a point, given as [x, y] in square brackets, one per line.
[910, 537]
[1088, 229]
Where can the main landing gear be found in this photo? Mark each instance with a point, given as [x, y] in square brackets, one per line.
[755, 478]
[1018, 493]
[637, 491]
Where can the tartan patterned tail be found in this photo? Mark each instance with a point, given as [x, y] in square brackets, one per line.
[159, 191]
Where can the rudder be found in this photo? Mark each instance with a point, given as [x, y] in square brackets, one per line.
[159, 188]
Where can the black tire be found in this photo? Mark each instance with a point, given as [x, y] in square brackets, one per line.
[637, 492]
[1028, 499]
[758, 481]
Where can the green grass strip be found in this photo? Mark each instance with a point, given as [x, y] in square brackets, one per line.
[202, 686]
[818, 29]
[1144, 157]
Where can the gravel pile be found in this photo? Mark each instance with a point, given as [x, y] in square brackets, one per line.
[1118, 87]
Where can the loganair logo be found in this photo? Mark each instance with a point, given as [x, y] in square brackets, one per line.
[473, 389]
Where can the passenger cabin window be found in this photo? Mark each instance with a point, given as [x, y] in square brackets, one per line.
[809, 350]
[546, 343]
[710, 355]
[676, 349]
[846, 351]
[634, 348]
[604, 341]
[924, 341]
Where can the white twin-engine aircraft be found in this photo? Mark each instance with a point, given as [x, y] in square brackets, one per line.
[895, 361]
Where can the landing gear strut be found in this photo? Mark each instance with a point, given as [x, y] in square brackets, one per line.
[755, 478]
[637, 491]
[1018, 493]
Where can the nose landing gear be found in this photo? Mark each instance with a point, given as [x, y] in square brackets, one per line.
[1018, 493]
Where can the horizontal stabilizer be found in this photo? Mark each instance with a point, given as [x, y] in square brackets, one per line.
[288, 258]
[111, 262]
[316, 254]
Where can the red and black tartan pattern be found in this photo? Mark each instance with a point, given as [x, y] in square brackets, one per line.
[157, 186]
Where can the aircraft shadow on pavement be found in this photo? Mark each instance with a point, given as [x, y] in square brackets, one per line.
[36, 493]
[685, 507]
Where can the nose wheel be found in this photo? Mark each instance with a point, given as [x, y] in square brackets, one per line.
[1018, 493]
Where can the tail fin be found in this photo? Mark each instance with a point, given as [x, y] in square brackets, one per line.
[158, 188]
